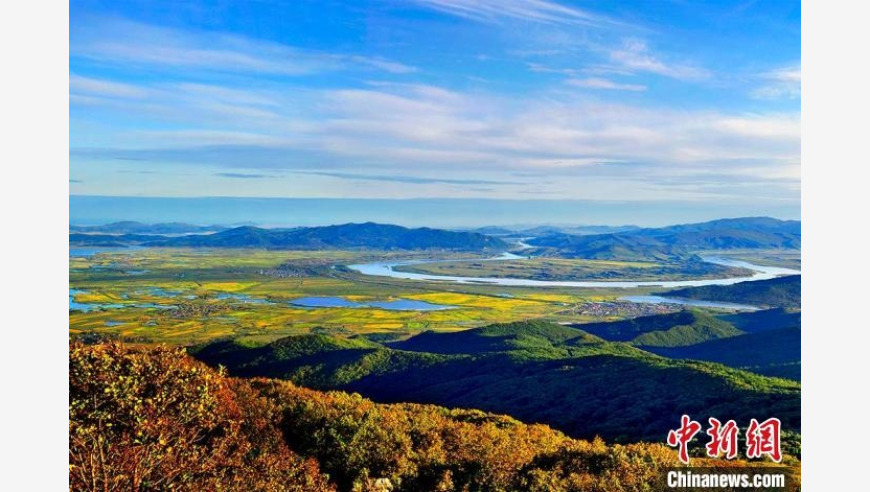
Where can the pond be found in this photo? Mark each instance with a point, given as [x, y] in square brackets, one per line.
[88, 252]
[90, 306]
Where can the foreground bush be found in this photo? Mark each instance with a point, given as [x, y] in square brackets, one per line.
[154, 419]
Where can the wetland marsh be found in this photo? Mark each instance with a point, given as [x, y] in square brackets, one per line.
[185, 295]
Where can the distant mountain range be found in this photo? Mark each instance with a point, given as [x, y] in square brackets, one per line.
[368, 235]
[81, 239]
[131, 227]
[543, 230]
[628, 243]
[581, 230]
[678, 240]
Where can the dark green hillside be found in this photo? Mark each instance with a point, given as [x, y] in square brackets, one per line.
[768, 319]
[232, 353]
[617, 397]
[537, 371]
[368, 235]
[318, 361]
[772, 352]
[667, 330]
[494, 338]
[776, 292]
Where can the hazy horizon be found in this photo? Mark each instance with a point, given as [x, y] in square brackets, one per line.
[419, 212]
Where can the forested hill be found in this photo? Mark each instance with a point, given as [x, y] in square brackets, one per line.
[565, 377]
[221, 433]
[777, 292]
[367, 235]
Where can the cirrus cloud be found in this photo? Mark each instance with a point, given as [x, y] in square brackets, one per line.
[133, 44]
[606, 84]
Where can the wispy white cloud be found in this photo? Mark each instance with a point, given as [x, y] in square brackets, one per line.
[541, 68]
[243, 175]
[392, 178]
[382, 64]
[208, 137]
[113, 40]
[231, 109]
[780, 127]
[635, 55]
[606, 84]
[86, 86]
[781, 83]
[421, 130]
[629, 57]
[540, 11]
[789, 74]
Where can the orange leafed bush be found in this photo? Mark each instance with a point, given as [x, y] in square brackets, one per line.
[155, 419]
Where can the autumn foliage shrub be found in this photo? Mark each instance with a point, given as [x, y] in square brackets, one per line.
[155, 419]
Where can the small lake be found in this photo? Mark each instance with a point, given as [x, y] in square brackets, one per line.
[393, 305]
[157, 292]
[689, 302]
[78, 306]
[90, 306]
[88, 252]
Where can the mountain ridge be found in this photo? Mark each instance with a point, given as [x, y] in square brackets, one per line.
[352, 235]
[675, 241]
[536, 371]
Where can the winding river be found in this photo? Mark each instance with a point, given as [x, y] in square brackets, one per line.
[387, 269]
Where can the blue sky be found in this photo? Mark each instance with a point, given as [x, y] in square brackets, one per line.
[675, 105]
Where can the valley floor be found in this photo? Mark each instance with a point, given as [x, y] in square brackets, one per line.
[133, 295]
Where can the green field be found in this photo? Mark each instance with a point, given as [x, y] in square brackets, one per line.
[578, 269]
[783, 258]
[143, 284]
